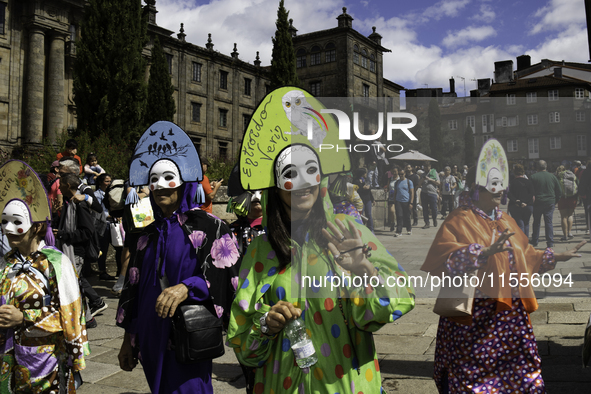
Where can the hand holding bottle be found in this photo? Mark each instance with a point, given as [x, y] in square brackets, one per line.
[280, 314]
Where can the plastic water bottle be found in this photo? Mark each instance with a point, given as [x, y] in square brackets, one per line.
[301, 344]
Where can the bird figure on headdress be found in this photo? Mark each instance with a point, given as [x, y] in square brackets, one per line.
[300, 113]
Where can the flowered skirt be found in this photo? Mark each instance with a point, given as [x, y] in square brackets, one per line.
[36, 365]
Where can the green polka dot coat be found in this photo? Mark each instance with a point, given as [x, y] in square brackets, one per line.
[347, 359]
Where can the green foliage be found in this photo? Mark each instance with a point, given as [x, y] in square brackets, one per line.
[161, 104]
[435, 135]
[283, 60]
[112, 157]
[220, 168]
[109, 88]
[41, 159]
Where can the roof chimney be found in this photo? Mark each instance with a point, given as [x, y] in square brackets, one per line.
[209, 44]
[292, 30]
[151, 7]
[375, 37]
[483, 86]
[557, 72]
[257, 60]
[181, 35]
[345, 20]
[452, 85]
[523, 62]
[504, 71]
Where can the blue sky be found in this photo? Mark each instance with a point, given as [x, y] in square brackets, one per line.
[430, 40]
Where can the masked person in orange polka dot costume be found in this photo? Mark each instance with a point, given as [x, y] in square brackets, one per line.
[304, 238]
[494, 349]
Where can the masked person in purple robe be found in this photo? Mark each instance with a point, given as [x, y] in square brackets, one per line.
[191, 249]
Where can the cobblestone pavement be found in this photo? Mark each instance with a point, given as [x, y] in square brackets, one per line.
[406, 348]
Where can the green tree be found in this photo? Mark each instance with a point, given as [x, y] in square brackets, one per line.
[109, 87]
[283, 62]
[435, 136]
[161, 104]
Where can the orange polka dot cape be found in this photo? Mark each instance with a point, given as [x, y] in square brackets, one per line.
[347, 360]
[464, 227]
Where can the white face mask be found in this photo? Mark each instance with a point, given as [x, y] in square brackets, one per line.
[15, 218]
[297, 168]
[256, 196]
[494, 182]
[164, 175]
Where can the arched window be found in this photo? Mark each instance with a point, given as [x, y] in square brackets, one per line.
[355, 54]
[315, 55]
[372, 63]
[330, 54]
[364, 58]
[301, 58]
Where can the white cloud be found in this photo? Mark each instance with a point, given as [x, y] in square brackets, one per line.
[559, 14]
[412, 63]
[570, 45]
[471, 64]
[249, 23]
[469, 34]
[449, 8]
[486, 15]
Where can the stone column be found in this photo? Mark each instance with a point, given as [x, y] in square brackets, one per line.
[55, 86]
[35, 87]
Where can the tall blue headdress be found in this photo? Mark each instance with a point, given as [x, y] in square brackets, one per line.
[165, 140]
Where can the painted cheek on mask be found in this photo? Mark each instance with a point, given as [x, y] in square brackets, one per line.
[297, 169]
[164, 175]
[15, 218]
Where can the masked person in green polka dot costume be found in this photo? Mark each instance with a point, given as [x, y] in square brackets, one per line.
[304, 238]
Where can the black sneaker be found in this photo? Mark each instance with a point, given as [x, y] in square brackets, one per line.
[105, 276]
[426, 226]
[434, 223]
[98, 308]
[91, 323]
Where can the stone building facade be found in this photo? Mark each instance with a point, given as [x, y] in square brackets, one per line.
[35, 69]
[341, 62]
[539, 111]
[215, 94]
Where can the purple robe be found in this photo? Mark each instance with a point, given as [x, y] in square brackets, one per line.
[194, 260]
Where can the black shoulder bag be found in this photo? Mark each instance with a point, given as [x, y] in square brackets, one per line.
[196, 333]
